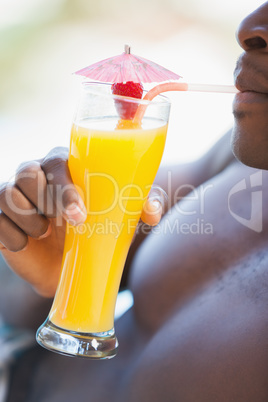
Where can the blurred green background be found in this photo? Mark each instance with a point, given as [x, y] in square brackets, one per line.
[43, 41]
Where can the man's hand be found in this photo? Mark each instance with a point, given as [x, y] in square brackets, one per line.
[31, 226]
[33, 214]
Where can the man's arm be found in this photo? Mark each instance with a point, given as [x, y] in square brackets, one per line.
[20, 305]
[13, 289]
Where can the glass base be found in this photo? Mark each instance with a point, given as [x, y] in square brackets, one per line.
[101, 345]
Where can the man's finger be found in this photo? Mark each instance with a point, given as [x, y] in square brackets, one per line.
[22, 212]
[68, 201]
[152, 212]
[11, 236]
[32, 182]
[155, 206]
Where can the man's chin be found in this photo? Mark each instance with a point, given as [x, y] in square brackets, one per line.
[249, 149]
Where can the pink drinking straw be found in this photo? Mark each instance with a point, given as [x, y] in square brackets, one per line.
[182, 86]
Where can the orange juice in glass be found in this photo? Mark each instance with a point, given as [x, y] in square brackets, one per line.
[114, 164]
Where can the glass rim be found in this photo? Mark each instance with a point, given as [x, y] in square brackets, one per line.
[158, 100]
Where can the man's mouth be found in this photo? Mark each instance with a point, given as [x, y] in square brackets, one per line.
[246, 83]
[248, 78]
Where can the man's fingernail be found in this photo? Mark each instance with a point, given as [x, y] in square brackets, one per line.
[156, 204]
[154, 207]
[47, 233]
[75, 214]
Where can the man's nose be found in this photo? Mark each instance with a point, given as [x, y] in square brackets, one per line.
[252, 33]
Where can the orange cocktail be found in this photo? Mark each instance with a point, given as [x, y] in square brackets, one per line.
[114, 168]
[113, 163]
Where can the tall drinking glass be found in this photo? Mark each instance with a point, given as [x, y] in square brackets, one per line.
[113, 162]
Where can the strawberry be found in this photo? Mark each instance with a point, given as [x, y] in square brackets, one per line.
[127, 110]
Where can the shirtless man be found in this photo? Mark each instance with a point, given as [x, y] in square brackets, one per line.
[199, 325]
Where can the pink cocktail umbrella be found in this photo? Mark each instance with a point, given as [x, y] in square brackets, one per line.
[127, 67]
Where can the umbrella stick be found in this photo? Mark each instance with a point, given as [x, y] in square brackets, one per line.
[181, 86]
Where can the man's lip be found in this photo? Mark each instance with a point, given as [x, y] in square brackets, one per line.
[248, 82]
[245, 85]
[250, 96]
[251, 73]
